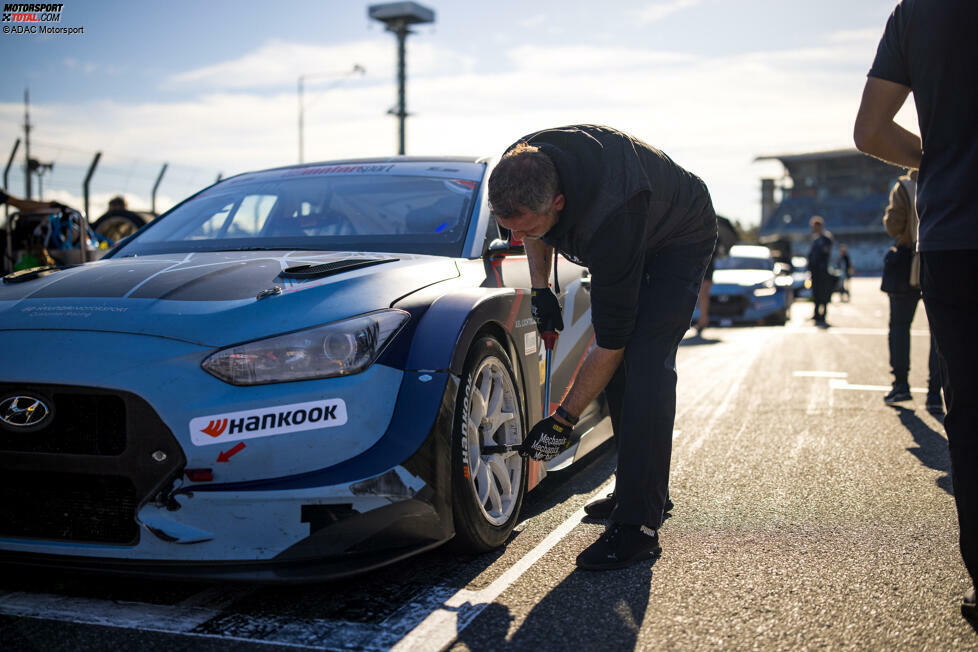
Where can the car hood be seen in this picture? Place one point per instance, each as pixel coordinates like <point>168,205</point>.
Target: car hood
<point>742,277</point>
<point>212,298</point>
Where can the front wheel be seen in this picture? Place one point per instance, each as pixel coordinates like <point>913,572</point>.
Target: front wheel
<point>487,489</point>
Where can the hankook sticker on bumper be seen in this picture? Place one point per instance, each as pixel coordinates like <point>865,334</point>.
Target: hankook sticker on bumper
<point>267,422</point>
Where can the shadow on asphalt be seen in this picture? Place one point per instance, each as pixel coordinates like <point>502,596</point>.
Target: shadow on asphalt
<point>616,605</point>
<point>931,446</point>
<point>698,340</point>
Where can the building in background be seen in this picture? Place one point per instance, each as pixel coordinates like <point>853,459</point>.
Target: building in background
<point>847,188</point>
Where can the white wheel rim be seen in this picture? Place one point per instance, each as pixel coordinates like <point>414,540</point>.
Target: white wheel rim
<point>493,420</point>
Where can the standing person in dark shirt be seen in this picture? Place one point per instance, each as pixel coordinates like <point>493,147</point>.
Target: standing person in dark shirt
<point>818,267</point>
<point>845,267</point>
<point>930,48</point>
<point>645,228</point>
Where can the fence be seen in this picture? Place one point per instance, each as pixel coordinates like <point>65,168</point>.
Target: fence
<point>114,174</point>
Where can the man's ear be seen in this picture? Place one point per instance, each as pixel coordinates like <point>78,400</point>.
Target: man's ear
<point>558,203</point>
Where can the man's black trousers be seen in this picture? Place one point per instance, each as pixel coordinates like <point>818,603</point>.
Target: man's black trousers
<point>642,393</point>
<point>949,280</point>
<point>822,286</point>
<point>902,309</point>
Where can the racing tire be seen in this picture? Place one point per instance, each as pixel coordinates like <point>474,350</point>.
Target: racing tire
<point>487,489</point>
<point>115,226</point>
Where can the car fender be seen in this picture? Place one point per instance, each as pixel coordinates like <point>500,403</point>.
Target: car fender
<point>448,328</point>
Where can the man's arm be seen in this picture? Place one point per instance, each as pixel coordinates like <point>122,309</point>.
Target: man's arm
<point>875,132</point>
<point>595,373</point>
<point>540,257</point>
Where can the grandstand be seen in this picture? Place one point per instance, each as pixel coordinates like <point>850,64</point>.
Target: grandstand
<point>847,188</point>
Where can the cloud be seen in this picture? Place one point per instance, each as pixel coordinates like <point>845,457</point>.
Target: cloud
<point>86,67</point>
<point>278,64</point>
<point>656,11</point>
<point>711,114</point>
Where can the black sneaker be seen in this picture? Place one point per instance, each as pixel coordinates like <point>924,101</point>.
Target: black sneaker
<point>968,608</point>
<point>897,394</point>
<point>934,402</point>
<point>620,546</point>
<point>602,507</point>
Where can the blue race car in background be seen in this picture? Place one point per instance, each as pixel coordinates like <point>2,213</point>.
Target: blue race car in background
<point>801,282</point>
<point>296,373</point>
<point>746,288</point>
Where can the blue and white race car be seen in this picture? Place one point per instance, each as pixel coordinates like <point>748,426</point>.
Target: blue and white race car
<point>747,289</point>
<point>297,373</point>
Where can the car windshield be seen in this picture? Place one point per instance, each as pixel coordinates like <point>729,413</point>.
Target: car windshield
<point>744,262</point>
<point>409,207</point>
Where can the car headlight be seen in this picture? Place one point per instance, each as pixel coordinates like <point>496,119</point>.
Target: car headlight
<point>338,349</point>
<point>765,292</point>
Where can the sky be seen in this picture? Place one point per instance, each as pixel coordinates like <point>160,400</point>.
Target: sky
<point>211,87</point>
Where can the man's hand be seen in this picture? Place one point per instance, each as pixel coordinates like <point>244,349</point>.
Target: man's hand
<point>546,310</point>
<point>546,440</point>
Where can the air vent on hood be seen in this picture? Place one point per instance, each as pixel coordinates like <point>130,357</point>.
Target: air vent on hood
<point>335,267</point>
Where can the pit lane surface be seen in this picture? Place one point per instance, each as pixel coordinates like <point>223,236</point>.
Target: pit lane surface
<point>808,514</point>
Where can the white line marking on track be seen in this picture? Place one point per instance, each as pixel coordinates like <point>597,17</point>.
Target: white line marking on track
<point>442,627</point>
<point>842,384</point>
<point>820,374</point>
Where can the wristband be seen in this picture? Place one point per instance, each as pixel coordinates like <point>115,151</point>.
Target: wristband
<point>566,416</point>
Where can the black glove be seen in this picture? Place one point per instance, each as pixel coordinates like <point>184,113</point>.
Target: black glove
<point>546,310</point>
<point>546,440</point>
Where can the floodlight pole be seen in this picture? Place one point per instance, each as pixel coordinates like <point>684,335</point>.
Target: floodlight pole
<point>398,18</point>
<point>6,209</point>
<point>400,29</point>
<point>27,144</point>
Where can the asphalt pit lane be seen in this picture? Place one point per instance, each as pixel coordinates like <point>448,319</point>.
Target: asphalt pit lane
<point>368,603</point>
<point>82,585</point>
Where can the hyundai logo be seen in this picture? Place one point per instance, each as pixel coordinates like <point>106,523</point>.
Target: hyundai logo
<point>24,412</point>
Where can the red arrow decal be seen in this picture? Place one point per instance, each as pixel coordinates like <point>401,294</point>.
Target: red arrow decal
<point>226,455</point>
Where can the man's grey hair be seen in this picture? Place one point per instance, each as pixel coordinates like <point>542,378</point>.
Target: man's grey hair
<point>524,177</point>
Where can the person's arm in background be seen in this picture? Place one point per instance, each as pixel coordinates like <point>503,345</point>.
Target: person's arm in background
<point>897,212</point>
<point>28,205</point>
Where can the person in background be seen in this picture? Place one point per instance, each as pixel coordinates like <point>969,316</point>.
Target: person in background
<point>930,48</point>
<point>846,271</point>
<point>818,266</point>
<point>900,221</point>
<point>703,300</point>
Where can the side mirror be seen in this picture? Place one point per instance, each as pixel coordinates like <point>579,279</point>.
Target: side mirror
<point>505,247</point>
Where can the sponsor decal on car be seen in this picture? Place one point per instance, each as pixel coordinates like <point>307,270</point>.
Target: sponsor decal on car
<point>267,422</point>
<point>530,343</point>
